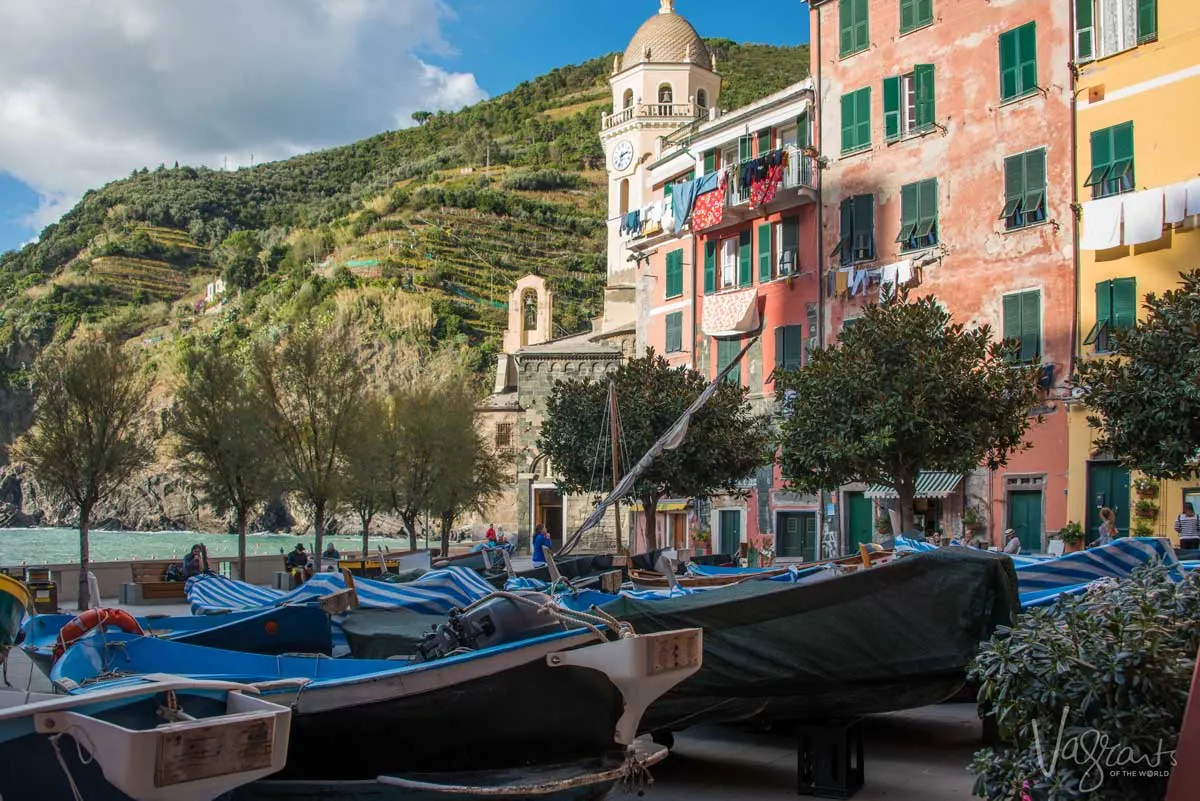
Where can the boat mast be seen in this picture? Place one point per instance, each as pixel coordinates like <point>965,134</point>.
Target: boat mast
<point>615,434</point>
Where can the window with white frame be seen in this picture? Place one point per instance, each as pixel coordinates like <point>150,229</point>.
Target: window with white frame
<point>1104,27</point>
<point>729,261</point>
<point>908,104</point>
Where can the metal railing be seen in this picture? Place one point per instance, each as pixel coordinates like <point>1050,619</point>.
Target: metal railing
<point>800,173</point>
<point>679,111</point>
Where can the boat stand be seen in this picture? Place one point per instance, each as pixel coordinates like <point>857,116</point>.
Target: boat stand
<point>829,758</point>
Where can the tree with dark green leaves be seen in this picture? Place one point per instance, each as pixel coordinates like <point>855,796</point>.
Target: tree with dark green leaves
<point>725,442</point>
<point>222,442</point>
<point>368,463</point>
<point>89,432</point>
<point>1145,398</point>
<point>238,257</point>
<point>905,389</point>
<point>310,388</point>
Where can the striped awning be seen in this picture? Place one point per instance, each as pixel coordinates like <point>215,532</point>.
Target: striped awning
<point>663,506</point>
<point>930,484</point>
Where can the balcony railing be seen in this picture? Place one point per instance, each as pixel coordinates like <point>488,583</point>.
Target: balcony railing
<point>671,111</point>
<point>800,173</point>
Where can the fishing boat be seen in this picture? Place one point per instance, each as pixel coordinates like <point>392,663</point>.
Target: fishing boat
<point>269,630</point>
<point>653,580</point>
<point>481,695</point>
<point>164,739</point>
<point>15,602</point>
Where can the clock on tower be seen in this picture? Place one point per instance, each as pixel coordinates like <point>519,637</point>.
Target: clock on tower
<point>622,155</point>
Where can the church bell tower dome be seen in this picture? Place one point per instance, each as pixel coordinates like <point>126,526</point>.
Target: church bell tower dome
<point>667,38</point>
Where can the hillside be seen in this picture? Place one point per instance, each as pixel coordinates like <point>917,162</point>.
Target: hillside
<point>449,213</point>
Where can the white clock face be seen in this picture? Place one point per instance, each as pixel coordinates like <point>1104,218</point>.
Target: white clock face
<point>622,155</point>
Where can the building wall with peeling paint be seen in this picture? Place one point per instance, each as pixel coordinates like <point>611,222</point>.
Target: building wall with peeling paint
<point>1155,85</point>
<point>976,260</point>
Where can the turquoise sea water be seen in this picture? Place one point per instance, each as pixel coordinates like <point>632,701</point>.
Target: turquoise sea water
<point>58,545</point>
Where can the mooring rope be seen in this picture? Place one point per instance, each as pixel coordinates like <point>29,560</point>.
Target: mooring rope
<point>84,760</point>
<point>590,620</point>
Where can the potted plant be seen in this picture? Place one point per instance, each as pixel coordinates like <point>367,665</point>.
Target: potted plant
<point>883,525</point>
<point>701,541</point>
<point>1072,536</point>
<point>1146,509</point>
<point>1146,487</point>
<point>1143,529</point>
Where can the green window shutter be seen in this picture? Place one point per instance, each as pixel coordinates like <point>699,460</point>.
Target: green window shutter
<point>1035,181</point>
<point>926,105</point>
<point>1124,302</point>
<point>764,253</point>
<point>668,190</point>
<point>764,142</point>
<point>674,273</point>
<point>1147,20</point>
<point>891,108</point>
<point>1027,49</point>
<point>1009,73</point>
<point>862,27</point>
<point>1102,156</point>
<point>802,131</point>
<point>1085,31</point>
<point>1104,302</point>
<point>792,344</point>
<point>908,15</point>
<point>862,117</point>
<point>1122,149</point>
<point>849,108</point>
<point>863,243</point>
<point>928,204</point>
<point>1031,326</point>
<point>789,241</point>
<point>924,12</point>
<point>744,148</point>
<point>845,27</point>
<point>674,342</point>
<point>1012,317</point>
<point>727,350</point>
<point>745,259</point>
<point>710,267</point>
<point>1014,186</point>
<point>846,233</point>
<point>909,216</point>
<point>779,355</point>
<point>710,161</point>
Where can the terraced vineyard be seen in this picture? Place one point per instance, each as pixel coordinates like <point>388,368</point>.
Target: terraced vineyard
<point>140,280</point>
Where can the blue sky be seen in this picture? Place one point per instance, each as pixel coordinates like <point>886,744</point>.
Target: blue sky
<point>150,81</point>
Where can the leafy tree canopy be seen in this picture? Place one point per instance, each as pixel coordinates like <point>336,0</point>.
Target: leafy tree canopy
<point>725,441</point>
<point>1146,400</point>
<point>905,389</point>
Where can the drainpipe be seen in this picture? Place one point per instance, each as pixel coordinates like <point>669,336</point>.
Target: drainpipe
<point>819,143</point>
<point>1072,69</point>
<point>695,299</point>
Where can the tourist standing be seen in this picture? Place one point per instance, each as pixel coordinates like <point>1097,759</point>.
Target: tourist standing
<point>1108,526</point>
<point>1187,526</point>
<point>541,544</point>
<point>491,533</point>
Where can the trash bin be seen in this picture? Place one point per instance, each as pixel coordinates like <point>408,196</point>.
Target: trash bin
<point>45,596</point>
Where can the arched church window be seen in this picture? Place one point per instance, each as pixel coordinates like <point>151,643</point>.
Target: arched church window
<point>701,98</point>
<point>529,307</point>
<point>627,100</point>
<point>666,94</point>
<point>624,197</point>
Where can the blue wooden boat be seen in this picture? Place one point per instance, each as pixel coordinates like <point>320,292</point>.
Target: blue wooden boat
<point>166,739</point>
<point>554,698</point>
<point>270,630</point>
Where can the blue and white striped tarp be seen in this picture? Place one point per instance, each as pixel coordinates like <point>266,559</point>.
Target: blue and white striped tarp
<point>904,544</point>
<point>436,592</point>
<point>1042,582</point>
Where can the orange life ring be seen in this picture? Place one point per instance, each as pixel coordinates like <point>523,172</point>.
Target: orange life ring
<point>94,618</point>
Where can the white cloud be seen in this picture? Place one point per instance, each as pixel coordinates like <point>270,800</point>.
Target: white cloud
<point>92,89</point>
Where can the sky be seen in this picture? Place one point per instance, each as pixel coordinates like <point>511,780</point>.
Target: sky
<point>93,89</point>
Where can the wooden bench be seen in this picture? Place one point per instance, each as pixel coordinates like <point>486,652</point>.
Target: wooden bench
<point>148,585</point>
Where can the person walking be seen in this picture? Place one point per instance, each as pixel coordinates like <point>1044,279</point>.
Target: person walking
<point>1108,526</point>
<point>1187,526</point>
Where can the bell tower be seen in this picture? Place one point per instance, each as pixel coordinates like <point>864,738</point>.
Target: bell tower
<point>665,79</point>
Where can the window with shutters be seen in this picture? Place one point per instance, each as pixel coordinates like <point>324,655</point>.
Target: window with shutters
<point>814,340</point>
<point>765,142</point>
<point>1024,189</point>
<point>1112,161</point>
<point>908,103</point>
<point>918,215</point>
<point>674,342</point>
<point>710,162</point>
<point>856,121</point>
<point>1105,27</point>
<point>710,267</point>
<point>1116,309</point>
<point>1023,323</point>
<point>915,14</point>
<point>857,240</point>
<point>727,351</point>
<point>674,281</point>
<point>766,264</point>
<point>787,235</point>
<point>789,344</point>
<point>745,258</point>
<point>854,29</point>
<point>729,256</point>
<point>803,131</point>
<point>1018,62</point>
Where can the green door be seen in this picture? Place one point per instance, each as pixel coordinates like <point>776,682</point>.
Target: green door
<point>730,524</point>
<point>1025,518</point>
<point>858,507</point>
<point>1108,485</point>
<point>798,535</point>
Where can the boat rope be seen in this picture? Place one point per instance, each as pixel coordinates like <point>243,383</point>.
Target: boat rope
<point>84,759</point>
<point>592,620</point>
<point>635,776</point>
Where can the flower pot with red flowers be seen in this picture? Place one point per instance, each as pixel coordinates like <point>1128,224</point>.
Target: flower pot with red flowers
<point>1146,509</point>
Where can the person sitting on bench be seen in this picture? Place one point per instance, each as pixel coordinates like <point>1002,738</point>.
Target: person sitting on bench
<point>298,565</point>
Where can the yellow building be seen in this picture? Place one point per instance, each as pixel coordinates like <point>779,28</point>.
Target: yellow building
<point>1137,124</point>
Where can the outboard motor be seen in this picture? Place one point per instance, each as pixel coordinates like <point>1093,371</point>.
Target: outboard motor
<point>500,620</point>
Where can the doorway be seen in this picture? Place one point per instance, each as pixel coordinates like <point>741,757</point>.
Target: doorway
<point>548,510</point>
<point>729,531</point>
<point>1025,518</point>
<point>798,535</point>
<point>677,529</point>
<point>858,512</point>
<point>1108,485</point>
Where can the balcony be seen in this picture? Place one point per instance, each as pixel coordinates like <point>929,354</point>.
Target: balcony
<point>799,185</point>
<point>677,112</point>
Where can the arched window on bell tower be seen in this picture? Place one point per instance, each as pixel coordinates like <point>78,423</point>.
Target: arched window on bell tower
<point>702,98</point>
<point>529,314</point>
<point>624,196</point>
<point>627,100</point>
<point>666,96</point>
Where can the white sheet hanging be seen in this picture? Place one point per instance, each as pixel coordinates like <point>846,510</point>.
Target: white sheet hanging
<point>1143,216</point>
<point>1193,196</point>
<point>1101,223</point>
<point>1175,202</point>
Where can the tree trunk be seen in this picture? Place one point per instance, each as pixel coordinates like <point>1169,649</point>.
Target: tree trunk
<point>319,527</point>
<point>410,523</point>
<point>447,524</point>
<point>241,532</point>
<point>906,489</point>
<point>85,556</point>
<point>650,510</point>
<point>366,532</point>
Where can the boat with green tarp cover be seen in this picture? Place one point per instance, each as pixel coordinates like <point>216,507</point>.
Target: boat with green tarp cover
<point>835,644</point>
